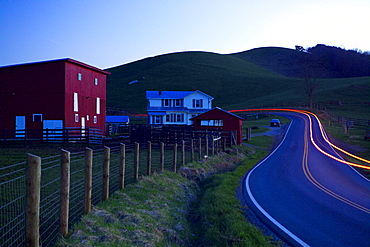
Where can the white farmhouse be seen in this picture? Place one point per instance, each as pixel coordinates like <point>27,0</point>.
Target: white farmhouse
<point>176,107</point>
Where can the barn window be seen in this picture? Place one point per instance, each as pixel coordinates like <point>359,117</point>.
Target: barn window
<point>96,82</point>
<point>76,118</point>
<point>95,119</point>
<point>75,102</point>
<point>211,122</point>
<point>98,105</point>
<point>79,76</point>
<point>37,117</point>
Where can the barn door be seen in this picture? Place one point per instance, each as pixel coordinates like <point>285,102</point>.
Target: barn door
<point>20,125</point>
<point>51,129</point>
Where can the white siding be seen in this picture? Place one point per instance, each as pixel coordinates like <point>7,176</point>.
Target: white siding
<point>155,102</point>
<point>188,101</point>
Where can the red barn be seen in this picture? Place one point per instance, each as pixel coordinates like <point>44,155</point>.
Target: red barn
<point>219,119</point>
<point>53,94</point>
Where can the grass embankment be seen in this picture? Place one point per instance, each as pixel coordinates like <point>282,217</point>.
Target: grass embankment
<point>353,142</point>
<point>195,207</point>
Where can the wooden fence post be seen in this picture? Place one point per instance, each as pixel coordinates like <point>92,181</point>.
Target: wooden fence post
<point>136,161</point>
<point>192,149</point>
<point>64,192</point>
<point>162,157</point>
<point>207,147</point>
<point>200,148</point>
<point>122,165</point>
<point>88,179</point>
<point>106,174</point>
<point>213,145</point>
<point>33,201</point>
<point>175,157</point>
<point>183,153</point>
<point>149,164</point>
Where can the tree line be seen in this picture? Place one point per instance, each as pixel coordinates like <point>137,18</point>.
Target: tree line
<point>337,62</point>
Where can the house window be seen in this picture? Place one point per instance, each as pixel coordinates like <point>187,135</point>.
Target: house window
<point>180,118</point>
<point>37,117</point>
<point>96,82</point>
<point>79,76</point>
<point>156,119</point>
<point>75,102</point>
<point>175,118</point>
<point>178,102</point>
<point>197,103</point>
<point>166,102</point>
<point>76,118</point>
<point>98,105</point>
<point>95,119</point>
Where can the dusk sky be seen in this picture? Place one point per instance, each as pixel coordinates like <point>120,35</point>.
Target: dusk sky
<point>114,32</point>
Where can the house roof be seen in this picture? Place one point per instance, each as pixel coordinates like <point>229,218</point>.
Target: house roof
<point>117,119</point>
<point>172,94</point>
<point>217,108</point>
<point>69,60</point>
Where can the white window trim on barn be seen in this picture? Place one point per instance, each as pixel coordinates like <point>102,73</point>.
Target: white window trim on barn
<point>212,122</point>
<point>97,105</point>
<point>75,102</point>
<point>37,117</point>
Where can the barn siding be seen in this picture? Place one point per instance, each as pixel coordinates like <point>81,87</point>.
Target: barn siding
<point>47,88</point>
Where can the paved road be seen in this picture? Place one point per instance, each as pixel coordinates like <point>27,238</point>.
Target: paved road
<point>306,197</point>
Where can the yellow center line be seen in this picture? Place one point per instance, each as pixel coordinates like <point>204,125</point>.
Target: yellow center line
<point>309,175</point>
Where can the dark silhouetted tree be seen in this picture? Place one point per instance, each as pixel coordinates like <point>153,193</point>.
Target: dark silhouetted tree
<point>309,76</point>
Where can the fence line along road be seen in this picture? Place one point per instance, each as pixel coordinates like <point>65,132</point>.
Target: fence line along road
<point>40,199</point>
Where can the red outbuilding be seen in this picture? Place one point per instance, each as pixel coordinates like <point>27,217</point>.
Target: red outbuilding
<point>219,119</point>
<point>55,94</point>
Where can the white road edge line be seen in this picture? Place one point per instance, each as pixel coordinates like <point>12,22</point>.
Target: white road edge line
<point>284,229</point>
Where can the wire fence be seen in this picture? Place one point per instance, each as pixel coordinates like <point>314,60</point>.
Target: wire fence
<point>15,192</point>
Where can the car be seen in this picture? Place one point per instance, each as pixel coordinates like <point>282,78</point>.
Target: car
<point>275,122</point>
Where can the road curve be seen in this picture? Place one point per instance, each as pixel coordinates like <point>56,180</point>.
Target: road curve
<point>307,197</point>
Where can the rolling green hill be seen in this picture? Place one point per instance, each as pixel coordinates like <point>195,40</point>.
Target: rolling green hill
<point>284,61</point>
<point>242,80</point>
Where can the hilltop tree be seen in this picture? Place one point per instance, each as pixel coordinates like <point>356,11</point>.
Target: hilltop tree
<point>299,48</point>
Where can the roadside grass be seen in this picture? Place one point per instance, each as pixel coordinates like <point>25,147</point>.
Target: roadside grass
<point>261,141</point>
<point>171,210</point>
<point>221,219</point>
<point>356,142</point>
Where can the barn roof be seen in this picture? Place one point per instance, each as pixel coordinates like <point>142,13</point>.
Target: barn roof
<point>214,109</point>
<point>117,119</point>
<point>69,60</point>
